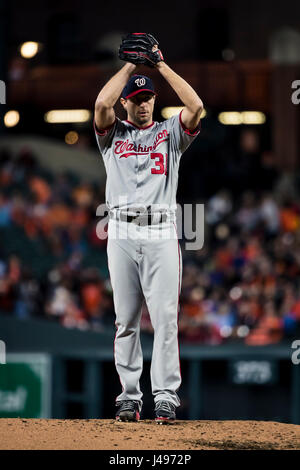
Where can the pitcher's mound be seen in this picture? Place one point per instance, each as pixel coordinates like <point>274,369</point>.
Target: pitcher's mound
<point>103,434</point>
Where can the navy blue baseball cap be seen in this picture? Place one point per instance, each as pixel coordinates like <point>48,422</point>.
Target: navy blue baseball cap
<point>137,84</point>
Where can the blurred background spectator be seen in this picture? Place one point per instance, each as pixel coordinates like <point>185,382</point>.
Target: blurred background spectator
<point>243,285</point>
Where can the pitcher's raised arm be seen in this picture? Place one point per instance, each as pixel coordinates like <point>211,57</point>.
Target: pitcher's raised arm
<point>104,106</point>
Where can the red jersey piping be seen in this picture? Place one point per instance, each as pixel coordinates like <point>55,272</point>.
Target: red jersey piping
<point>105,131</point>
<point>142,128</point>
<point>189,131</point>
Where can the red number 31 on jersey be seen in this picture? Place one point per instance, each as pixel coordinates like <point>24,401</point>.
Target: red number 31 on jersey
<point>160,163</point>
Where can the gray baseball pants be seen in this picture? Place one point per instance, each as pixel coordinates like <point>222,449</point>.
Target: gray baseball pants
<point>145,262</point>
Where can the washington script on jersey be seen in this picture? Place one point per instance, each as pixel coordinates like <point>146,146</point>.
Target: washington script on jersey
<point>125,146</point>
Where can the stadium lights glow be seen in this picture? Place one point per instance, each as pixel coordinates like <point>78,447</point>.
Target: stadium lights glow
<point>71,138</point>
<point>11,118</point>
<point>170,111</point>
<point>234,118</point>
<point>29,49</point>
<point>253,117</point>
<point>59,116</point>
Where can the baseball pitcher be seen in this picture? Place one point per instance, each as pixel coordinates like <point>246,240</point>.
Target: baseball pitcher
<point>142,158</point>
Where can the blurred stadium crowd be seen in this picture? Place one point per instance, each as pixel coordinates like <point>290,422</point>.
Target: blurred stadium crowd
<point>243,285</point>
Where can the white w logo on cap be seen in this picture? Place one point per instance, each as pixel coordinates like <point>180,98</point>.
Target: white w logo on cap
<point>140,81</point>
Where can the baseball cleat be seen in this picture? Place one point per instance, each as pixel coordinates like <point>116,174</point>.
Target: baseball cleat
<point>129,410</point>
<point>165,412</point>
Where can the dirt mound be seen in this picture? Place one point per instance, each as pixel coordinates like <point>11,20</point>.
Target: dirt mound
<point>146,435</point>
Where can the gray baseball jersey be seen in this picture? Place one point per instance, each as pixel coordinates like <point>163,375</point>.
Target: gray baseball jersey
<point>142,171</point>
<point>142,164</point>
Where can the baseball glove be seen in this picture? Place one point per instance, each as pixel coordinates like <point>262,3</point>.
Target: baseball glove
<point>140,48</point>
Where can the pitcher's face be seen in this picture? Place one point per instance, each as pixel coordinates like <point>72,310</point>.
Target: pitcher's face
<point>140,108</point>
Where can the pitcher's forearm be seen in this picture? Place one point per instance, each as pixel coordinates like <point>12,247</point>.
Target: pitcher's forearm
<point>185,92</point>
<point>111,91</point>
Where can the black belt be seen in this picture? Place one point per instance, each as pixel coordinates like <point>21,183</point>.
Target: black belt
<point>142,219</point>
